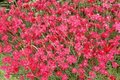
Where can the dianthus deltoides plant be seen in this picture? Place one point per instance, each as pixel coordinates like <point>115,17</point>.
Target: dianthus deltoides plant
<point>60,40</point>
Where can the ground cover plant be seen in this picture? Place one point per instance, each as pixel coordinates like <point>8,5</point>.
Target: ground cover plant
<point>60,40</point>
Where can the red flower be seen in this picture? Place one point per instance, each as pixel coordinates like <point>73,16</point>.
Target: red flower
<point>91,1</point>
<point>112,77</point>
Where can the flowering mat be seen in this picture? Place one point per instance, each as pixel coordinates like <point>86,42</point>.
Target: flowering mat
<point>60,40</point>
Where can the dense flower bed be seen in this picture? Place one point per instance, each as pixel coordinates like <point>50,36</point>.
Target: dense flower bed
<point>72,39</point>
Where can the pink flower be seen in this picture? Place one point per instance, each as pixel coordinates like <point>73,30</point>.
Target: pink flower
<point>30,75</point>
<point>64,66</point>
<point>71,59</point>
<point>117,26</point>
<point>92,74</point>
<point>7,60</point>
<point>64,77</point>
<point>10,0</point>
<point>74,70</point>
<point>106,5</point>
<point>21,77</point>
<point>115,65</point>
<point>63,28</point>
<point>7,48</point>
<point>59,73</point>
<point>7,76</point>
<point>46,38</point>
<point>5,38</point>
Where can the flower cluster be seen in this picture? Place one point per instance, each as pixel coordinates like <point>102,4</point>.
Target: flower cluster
<point>42,39</point>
